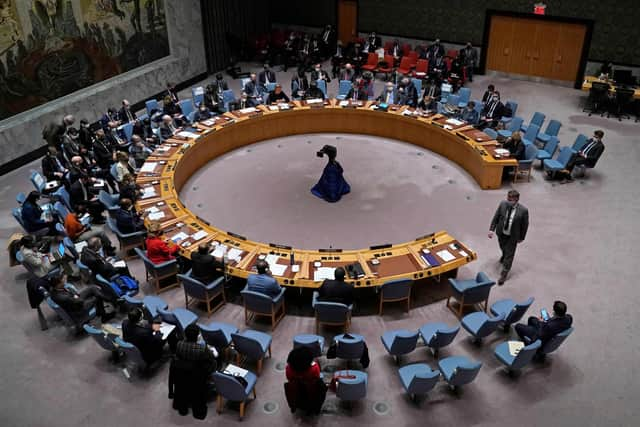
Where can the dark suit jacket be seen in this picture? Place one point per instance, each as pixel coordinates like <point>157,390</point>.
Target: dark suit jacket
<point>124,118</point>
<point>315,75</point>
<point>298,84</point>
<point>76,194</point>
<point>165,132</point>
<point>149,343</point>
<point>205,267</point>
<point>520,220</point>
<point>497,111</point>
<point>594,153</point>
<point>97,263</point>
<point>262,77</point>
<point>49,166</point>
<point>411,93</point>
<point>437,91</point>
<point>336,291</point>
<point>362,94</point>
<point>73,306</point>
<point>515,148</point>
<point>553,327</point>
<point>128,221</point>
<point>273,97</point>
<point>103,153</point>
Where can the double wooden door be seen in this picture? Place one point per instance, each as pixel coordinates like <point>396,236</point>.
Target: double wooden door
<point>546,49</point>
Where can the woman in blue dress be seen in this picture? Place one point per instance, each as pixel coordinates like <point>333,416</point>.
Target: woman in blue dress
<point>332,185</point>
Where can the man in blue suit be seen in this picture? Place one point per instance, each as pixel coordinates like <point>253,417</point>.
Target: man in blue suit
<point>263,282</point>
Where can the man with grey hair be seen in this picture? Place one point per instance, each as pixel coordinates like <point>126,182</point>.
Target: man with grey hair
<point>510,223</point>
<point>167,128</point>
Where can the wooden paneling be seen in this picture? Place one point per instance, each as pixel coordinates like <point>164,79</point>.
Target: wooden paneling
<point>347,20</point>
<point>535,47</point>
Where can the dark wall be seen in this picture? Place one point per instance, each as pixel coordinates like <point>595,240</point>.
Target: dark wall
<point>310,13</point>
<point>229,22</point>
<point>615,35</point>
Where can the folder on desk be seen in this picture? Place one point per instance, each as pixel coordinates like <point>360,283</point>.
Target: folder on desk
<point>430,259</point>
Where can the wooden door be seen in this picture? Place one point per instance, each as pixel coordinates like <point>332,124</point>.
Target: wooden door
<point>347,20</point>
<point>499,50</point>
<point>544,49</point>
<point>568,51</point>
<point>523,46</point>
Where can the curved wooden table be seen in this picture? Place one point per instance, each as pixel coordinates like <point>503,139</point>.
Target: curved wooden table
<point>170,166</point>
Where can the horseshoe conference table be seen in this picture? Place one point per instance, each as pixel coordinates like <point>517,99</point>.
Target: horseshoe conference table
<point>171,164</point>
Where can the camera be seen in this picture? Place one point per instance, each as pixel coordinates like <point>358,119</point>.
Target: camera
<point>329,150</point>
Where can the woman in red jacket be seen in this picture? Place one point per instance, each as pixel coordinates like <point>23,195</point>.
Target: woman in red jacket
<point>305,389</point>
<point>159,251</point>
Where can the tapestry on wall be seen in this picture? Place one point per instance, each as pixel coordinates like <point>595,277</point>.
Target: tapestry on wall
<point>51,48</point>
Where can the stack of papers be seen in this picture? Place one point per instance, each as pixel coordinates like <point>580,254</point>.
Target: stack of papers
<point>166,329</point>
<point>502,151</point>
<point>187,134</point>
<point>283,106</point>
<point>248,110</point>
<point>148,192</point>
<point>323,273</point>
<point>154,216</point>
<point>180,236</point>
<point>234,254</point>
<point>148,167</point>
<point>209,122</point>
<point>446,255</point>
<point>273,107</point>
<point>455,122</point>
<point>80,246</point>
<point>200,235</point>
<point>515,347</point>
<point>119,264</point>
<point>277,269</point>
<point>219,251</point>
<point>152,209</point>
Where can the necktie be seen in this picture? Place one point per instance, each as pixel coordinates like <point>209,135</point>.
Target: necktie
<point>58,165</point>
<point>355,95</point>
<point>84,191</point>
<point>505,229</point>
<point>432,89</point>
<point>388,97</point>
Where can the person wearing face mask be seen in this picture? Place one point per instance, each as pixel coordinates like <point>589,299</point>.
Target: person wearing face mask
<point>241,103</point>
<point>357,93</point>
<point>373,42</point>
<point>254,90</point>
<point>266,76</point>
<point>299,85</point>
<point>491,113</point>
<point>388,95</point>
<point>469,59</point>
<point>319,74</point>
<point>510,222</point>
<point>202,113</point>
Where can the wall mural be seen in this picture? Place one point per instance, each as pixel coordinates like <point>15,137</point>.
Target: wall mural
<point>51,48</point>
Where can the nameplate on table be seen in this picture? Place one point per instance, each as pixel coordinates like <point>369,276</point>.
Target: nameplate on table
<point>236,371</point>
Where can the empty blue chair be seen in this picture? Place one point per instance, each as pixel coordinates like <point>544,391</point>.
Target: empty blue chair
<point>132,357</point>
<point>479,325</point>
<point>231,389</point>
<point>179,317</point>
<point>270,87</point>
<point>492,133</point>
<point>197,93</point>
<point>150,305</point>
<point>418,379</point>
<point>151,105</point>
<point>109,201</point>
<point>227,98</point>
<point>186,106</point>
<point>349,346</point>
<point>198,291</point>
<point>63,196</point>
<point>453,100</point>
<point>315,343</point>
<point>252,345</point>
<point>529,136</point>
<point>394,291</point>
<point>513,125</point>
<point>103,340</point>
<point>549,150</point>
<point>553,344</point>
<point>521,359</point>
<point>537,119</point>
<point>464,94</point>
<point>470,292</point>
<point>127,241</point>
<point>437,335</point>
<point>580,142</point>
<point>61,210</point>
<point>511,310</point>
<point>21,197</point>
<point>553,127</point>
<point>514,108</point>
<point>459,370</point>
<point>39,182</point>
<point>127,130</point>
<point>399,342</point>
<point>218,335</point>
<point>322,85</point>
<point>418,84</point>
<point>526,164</point>
<point>259,304</point>
<point>159,272</point>
<point>479,106</point>
<point>351,385</point>
<point>553,166</point>
<point>331,313</point>
<point>343,89</point>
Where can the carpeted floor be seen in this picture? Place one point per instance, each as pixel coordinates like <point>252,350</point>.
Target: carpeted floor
<point>580,248</point>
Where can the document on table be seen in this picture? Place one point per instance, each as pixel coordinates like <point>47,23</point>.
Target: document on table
<point>152,209</point>
<point>80,246</point>
<point>219,251</point>
<point>315,101</point>
<point>272,259</point>
<point>283,106</point>
<point>163,149</point>
<point>209,122</point>
<point>188,134</point>
<point>322,273</point>
<point>343,103</point>
<point>148,192</point>
<point>154,216</point>
<point>180,236</point>
<point>515,347</point>
<point>277,269</point>
<point>248,110</point>
<point>234,254</point>
<point>235,370</point>
<point>166,329</point>
<point>148,167</point>
<point>273,107</point>
<point>502,151</point>
<point>454,122</point>
<point>446,255</point>
<point>200,235</point>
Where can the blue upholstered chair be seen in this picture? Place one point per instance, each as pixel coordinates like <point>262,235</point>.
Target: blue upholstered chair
<point>149,305</point>
<point>322,85</point>
<point>399,342</point>
<point>151,105</point>
<point>553,127</point>
<point>231,389</point>
<point>61,210</point>
<point>511,310</point>
<point>198,291</point>
<point>250,344</point>
<point>127,241</point>
<point>490,132</point>
<point>127,130</point>
<point>418,84</point>
<point>521,359</point>
<point>343,89</point>
<point>62,195</point>
<point>464,94</point>
<point>513,125</point>
<point>331,313</point>
<point>553,166</point>
<point>351,389</point>
<point>470,292</point>
<point>349,347</point>
<point>38,180</point>
<point>20,198</point>
<point>314,342</point>
<point>579,143</point>
<point>158,272</point>
<point>259,304</point>
<point>186,106</point>
<point>17,214</point>
<point>418,379</point>
<point>525,165</point>
<point>218,335</point>
<point>530,135</point>
<point>514,108</point>
<point>437,335</point>
<point>395,290</point>
<point>109,201</point>
<point>104,340</point>
<point>132,357</point>
<point>227,98</point>
<point>270,87</point>
<point>479,325</point>
<point>68,321</point>
<point>553,344</point>
<point>537,119</point>
<point>549,150</point>
<point>179,317</point>
<point>197,94</point>
<point>459,370</point>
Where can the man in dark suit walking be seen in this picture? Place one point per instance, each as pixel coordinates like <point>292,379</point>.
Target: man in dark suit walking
<point>336,290</point>
<point>510,223</point>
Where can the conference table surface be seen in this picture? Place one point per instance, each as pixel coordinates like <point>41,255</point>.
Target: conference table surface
<point>169,167</point>
<point>586,86</point>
